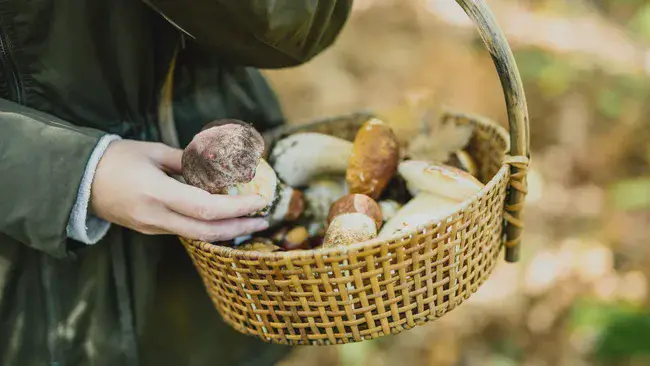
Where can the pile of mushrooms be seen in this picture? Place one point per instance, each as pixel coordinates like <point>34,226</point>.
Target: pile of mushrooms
<point>323,191</point>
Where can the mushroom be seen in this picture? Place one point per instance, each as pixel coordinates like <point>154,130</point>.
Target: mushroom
<point>437,190</point>
<point>353,218</point>
<point>222,155</point>
<point>301,157</point>
<point>440,141</point>
<point>420,210</point>
<point>296,238</point>
<point>439,179</point>
<point>225,158</point>
<point>374,159</point>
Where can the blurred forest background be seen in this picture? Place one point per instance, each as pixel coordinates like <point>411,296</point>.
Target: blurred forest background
<point>580,296</point>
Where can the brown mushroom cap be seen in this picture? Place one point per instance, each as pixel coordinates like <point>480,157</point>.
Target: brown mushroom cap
<point>356,203</point>
<point>222,155</point>
<point>374,159</point>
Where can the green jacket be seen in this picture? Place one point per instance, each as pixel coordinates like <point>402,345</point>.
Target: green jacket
<point>74,71</point>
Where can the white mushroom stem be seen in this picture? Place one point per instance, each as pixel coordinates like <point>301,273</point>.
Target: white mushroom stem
<point>264,183</point>
<point>438,190</point>
<point>320,195</point>
<point>282,205</point>
<point>420,210</point>
<point>299,158</point>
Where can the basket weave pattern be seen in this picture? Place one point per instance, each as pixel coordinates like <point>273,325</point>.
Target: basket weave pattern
<point>371,289</point>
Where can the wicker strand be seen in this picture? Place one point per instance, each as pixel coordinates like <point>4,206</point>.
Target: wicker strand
<point>512,213</point>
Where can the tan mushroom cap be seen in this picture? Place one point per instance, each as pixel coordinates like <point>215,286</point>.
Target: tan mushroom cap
<point>439,179</point>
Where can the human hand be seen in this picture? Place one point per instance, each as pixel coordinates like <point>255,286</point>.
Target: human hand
<point>131,189</point>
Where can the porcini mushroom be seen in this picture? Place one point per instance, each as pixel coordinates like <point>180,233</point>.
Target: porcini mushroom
<point>222,155</point>
<point>301,157</point>
<point>374,159</point>
<point>437,190</point>
<point>296,238</point>
<point>439,179</point>
<point>226,159</point>
<point>353,218</point>
<point>420,210</point>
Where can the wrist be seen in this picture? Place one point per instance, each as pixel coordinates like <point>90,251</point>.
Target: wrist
<point>83,225</point>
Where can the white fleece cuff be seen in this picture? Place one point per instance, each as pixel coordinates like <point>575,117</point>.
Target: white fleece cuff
<point>82,226</point>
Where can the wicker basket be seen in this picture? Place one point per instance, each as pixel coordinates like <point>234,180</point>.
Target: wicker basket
<point>375,288</point>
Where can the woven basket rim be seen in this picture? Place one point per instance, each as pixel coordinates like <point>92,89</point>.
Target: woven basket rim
<point>231,252</point>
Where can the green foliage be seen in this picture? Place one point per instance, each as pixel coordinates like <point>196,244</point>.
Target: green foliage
<point>640,22</point>
<point>631,194</point>
<point>610,103</point>
<point>507,352</point>
<point>553,75</point>
<point>623,329</point>
<point>592,315</point>
<point>626,337</point>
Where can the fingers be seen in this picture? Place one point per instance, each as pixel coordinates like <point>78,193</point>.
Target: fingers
<point>199,204</point>
<point>212,231</point>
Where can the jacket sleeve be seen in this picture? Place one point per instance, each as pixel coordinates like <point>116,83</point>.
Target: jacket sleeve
<point>259,33</point>
<point>42,161</point>
<point>83,226</point>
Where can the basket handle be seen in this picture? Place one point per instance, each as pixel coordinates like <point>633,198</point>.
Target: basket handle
<point>513,90</point>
